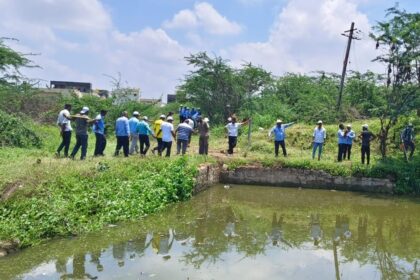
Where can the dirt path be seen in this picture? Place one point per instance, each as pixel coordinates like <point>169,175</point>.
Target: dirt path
<point>9,190</point>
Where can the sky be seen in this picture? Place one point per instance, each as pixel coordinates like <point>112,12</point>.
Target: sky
<point>147,40</point>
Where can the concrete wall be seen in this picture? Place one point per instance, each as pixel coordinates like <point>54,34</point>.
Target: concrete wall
<point>290,177</point>
<point>208,175</point>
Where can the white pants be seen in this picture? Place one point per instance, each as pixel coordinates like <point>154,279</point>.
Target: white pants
<point>134,146</point>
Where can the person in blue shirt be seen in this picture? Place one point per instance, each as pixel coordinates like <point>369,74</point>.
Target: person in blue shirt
<point>349,142</point>
<point>186,113</point>
<point>122,132</point>
<point>143,130</point>
<point>99,130</point>
<point>181,113</point>
<point>134,137</point>
<point>342,141</point>
<point>279,131</point>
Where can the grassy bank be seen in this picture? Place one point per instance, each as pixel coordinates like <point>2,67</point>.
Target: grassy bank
<point>83,200</point>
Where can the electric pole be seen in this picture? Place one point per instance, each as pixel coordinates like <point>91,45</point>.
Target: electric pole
<point>346,60</point>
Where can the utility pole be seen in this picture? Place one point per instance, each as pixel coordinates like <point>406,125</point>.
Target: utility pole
<point>346,60</point>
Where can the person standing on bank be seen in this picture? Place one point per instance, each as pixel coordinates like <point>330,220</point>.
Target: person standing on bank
<point>203,132</point>
<point>122,132</point>
<point>279,131</point>
<point>99,130</point>
<point>407,138</point>
<point>167,129</point>
<point>134,136</point>
<point>232,129</point>
<point>158,133</point>
<point>342,141</point>
<point>319,136</point>
<point>143,130</point>
<point>366,136</point>
<point>82,123</point>
<point>349,142</point>
<point>183,131</point>
<point>63,121</point>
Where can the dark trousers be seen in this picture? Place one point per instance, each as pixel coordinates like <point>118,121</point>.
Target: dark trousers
<point>144,143</point>
<point>100,144</point>
<point>365,153</point>
<point>283,147</point>
<point>181,145</point>
<point>347,151</point>
<point>232,144</point>
<point>203,145</point>
<point>81,141</point>
<point>65,143</point>
<point>122,141</point>
<point>341,149</point>
<point>409,145</point>
<point>159,146</point>
<point>167,146</point>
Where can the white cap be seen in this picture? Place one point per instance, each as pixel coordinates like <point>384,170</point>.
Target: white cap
<point>145,118</point>
<point>170,118</point>
<point>229,119</point>
<point>206,120</point>
<point>162,116</point>
<point>365,125</point>
<point>84,110</point>
<point>319,122</point>
<point>135,113</point>
<point>349,125</point>
<point>279,121</point>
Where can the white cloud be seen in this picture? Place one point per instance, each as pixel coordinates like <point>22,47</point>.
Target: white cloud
<point>306,37</point>
<point>206,16</point>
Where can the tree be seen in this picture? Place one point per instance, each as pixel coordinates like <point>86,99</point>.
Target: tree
<point>10,63</point>
<point>213,86</point>
<point>400,40</point>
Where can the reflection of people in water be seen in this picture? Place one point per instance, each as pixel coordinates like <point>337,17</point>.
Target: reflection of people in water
<point>96,259</point>
<point>79,270</point>
<point>118,252</point>
<point>316,231</point>
<point>342,228</point>
<point>362,230</point>
<point>61,265</point>
<point>162,243</point>
<point>140,244</point>
<point>229,230</point>
<point>277,231</point>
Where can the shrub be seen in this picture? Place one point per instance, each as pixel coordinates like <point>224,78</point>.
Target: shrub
<point>16,132</point>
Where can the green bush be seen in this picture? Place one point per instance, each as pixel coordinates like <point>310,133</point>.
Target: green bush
<point>15,132</point>
<point>78,203</point>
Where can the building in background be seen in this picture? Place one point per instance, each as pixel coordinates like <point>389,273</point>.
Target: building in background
<point>171,98</point>
<point>79,86</point>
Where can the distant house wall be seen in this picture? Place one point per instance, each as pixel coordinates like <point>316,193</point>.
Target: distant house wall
<point>82,87</point>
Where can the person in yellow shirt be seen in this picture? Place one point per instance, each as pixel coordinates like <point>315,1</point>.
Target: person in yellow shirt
<point>158,133</point>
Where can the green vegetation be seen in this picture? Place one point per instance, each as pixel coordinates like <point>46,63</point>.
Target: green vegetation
<point>84,201</point>
<point>16,133</point>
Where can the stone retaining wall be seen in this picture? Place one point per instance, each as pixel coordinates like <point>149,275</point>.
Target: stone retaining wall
<point>316,179</point>
<point>288,177</point>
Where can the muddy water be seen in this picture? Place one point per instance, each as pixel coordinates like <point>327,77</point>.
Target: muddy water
<point>243,233</point>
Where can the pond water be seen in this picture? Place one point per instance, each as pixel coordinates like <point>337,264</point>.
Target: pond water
<point>245,232</point>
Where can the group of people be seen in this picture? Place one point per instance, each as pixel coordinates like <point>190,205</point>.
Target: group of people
<point>133,134</point>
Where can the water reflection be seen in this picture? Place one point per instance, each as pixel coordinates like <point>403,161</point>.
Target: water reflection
<point>367,237</point>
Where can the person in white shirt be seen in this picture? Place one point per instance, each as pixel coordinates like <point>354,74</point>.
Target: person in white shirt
<point>232,129</point>
<point>63,121</point>
<point>167,129</point>
<point>319,136</point>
